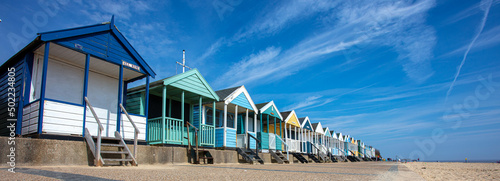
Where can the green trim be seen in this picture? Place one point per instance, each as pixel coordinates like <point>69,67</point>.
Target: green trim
<point>195,71</point>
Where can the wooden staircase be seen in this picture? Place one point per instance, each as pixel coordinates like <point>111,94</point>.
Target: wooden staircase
<point>313,157</point>
<point>324,158</point>
<point>204,155</point>
<point>113,150</point>
<point>279,157</point>
<point>300,158</point>
<point>332,157</point>
<point>107,150</point>
<point>249,156</point>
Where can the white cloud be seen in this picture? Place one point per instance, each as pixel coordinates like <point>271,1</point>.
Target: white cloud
<point>485,6</point>
<point>354,26</point>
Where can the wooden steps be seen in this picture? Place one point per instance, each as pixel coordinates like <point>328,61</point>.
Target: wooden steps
<point>313,157</point>
<point>279,157</point>
<point>204,155</point>
<point>300,158</point>
<point>250,156</point>
<point>112,150</point>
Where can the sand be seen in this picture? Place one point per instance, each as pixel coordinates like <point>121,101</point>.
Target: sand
<point>455,171</point>
<point>240,172</point>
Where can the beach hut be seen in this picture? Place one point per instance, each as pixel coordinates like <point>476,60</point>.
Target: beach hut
<point>59,70</point>
<point>292,128</point>
<point>317,136</point>
<point>327,137</point>
<point>341,150</point>
<point>235,116</point>
<point>334,143</point>
<point>172,106</point>
<point>306,130</point>
<point>353,147</point>
<point>272,121</point>
<point>346,145</point>
<point>360,148</point>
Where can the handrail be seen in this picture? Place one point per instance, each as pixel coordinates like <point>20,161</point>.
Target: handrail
<point>257,142</point>
<point>97,155</point>
<point>315,147</point>
<point>136,132</point>
<point>196,140</point>
<point>287,147</point>
<point>129,118</point>
<point>93,113</point>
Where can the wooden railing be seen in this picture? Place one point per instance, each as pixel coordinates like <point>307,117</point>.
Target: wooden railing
<point>207,133</point>
<point>169,131</point>
<point>97,156</point>
<point>154,130</point>
<point>257,142</point>
<point>286,147</point>
<point>136,130</point>
<point>196,141</point>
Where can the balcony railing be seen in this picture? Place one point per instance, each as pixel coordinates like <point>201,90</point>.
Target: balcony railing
<point>207,133</point>
<point>169,131</point>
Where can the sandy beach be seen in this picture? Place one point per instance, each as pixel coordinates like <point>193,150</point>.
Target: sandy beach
<point>456,171</point>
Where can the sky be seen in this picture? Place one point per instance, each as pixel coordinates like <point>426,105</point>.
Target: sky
<point>414,79</point>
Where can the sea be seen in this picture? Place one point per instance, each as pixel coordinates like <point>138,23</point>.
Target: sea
<point>463,161</point>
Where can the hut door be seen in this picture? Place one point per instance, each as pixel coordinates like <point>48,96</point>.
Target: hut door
<point>241,125</point>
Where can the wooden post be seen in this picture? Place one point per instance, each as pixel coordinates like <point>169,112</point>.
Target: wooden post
<point>267,123</point>
<point>275,125</point>
<point>200,127</point>
<point>213,119</point>
<point>225,124</point>
<point>236,123</point>
<point>164,106</point>
<point>246,128</point>
<point>182,117</point>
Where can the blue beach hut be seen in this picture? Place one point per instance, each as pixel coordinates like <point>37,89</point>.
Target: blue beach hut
<point>235,116</point>
<point>306,129</point>
<point>58,70</point>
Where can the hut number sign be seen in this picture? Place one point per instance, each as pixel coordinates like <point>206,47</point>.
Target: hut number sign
<point>135,67</point>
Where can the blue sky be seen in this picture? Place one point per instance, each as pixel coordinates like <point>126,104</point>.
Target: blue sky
<point>415,79</point>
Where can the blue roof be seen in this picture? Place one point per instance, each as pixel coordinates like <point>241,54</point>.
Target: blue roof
<point>104,41</point>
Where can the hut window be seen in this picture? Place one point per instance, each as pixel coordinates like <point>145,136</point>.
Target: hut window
<point>251,124</point>
<point>230,120</point>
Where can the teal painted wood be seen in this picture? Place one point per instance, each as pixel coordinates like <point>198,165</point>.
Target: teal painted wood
<point>206,135</point>
<point>242,101</point>
<point>154,135</point>
<point>193,82</point>
<point>196,117</point>
<point>278,143</point>
<point>192,138</point>
<point>252,141</point>
<point>134,103</point>
<point>271,111</point>
<point>231,137</point>
<point>219,137</point>
<point>173,131</point>
<point>264,140</point>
